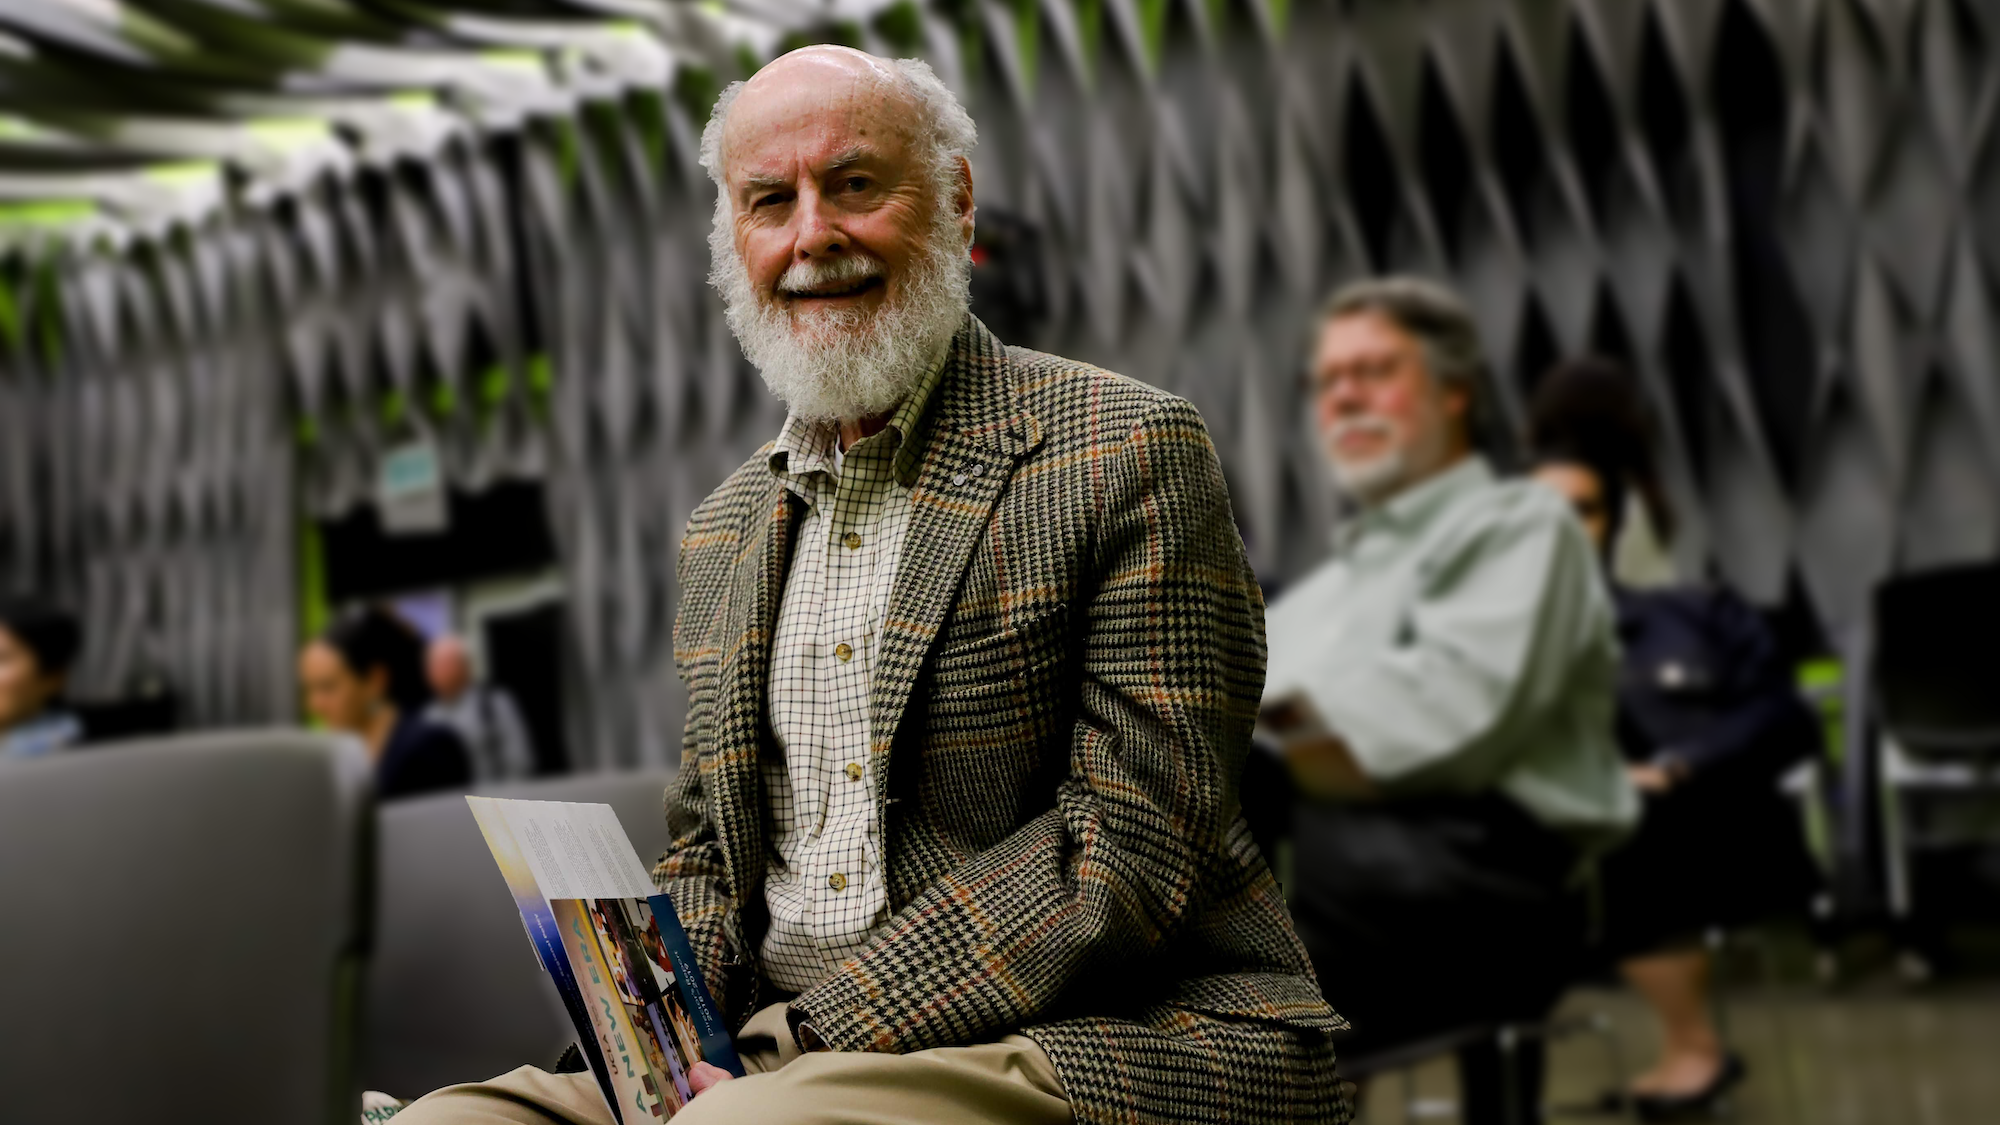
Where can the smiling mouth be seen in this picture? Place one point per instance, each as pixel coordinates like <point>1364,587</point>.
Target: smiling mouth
<point>835,292</point>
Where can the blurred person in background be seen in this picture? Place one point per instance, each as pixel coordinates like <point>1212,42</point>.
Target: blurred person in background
<point>38,643</point>
<point>365,676</point>
<point>1708,720</point>
<point>485,715</point>
<point>1441,693</point>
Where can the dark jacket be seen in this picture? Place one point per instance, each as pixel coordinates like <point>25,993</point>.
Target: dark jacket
<point>1701,682</point>
<point>422,757</point>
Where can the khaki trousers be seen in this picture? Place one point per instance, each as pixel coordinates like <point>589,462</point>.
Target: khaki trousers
<point>1010,1082</point>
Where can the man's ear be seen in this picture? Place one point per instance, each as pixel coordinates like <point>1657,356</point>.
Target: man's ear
<point>965,204</point>
<point>1458,402</point>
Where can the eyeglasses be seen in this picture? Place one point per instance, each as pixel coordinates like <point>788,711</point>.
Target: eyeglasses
<point>1369,372</point>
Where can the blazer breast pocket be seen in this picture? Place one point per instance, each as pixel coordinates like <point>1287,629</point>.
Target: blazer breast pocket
<point>1010,661</point>
<point>993,709</point>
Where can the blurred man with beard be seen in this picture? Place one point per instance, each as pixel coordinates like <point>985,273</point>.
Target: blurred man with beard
<point>972,655</point>
<point>1440,692</point>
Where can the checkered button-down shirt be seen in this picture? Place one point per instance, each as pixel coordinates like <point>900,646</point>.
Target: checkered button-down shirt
<point>825,887</point>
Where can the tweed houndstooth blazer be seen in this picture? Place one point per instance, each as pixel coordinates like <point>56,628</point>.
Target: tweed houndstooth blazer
<point>1063,696</point>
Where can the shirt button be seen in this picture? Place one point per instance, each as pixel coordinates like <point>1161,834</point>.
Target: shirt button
<point>837,881</point>
<point>854,771</point>
<point>844,651</point>
<point>852,540</point>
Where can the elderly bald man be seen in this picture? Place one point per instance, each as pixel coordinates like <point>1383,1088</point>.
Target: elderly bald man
<point>972,656</point>
<point>485,716</point>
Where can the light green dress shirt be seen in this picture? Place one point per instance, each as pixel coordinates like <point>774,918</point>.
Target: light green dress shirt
<point>1460,640</point>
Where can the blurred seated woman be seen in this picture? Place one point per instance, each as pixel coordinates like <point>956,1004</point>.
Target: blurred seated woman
<point>365,676</point>
<point>1708,721</point>
<point>38,643</point>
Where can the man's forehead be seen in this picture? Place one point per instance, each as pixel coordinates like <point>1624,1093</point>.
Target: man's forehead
<point>820,117</point>
<point>1363,330</point>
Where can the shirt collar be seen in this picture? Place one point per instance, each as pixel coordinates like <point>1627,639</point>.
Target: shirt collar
<point>804,447</point>
<point>1416,506</point>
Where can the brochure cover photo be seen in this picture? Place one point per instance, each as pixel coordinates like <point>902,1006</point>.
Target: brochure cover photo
<point>614,947</point>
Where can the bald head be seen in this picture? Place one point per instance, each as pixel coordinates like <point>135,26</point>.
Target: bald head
<point>820,89</point>
<point>843,218</point>
<point>448,667</point>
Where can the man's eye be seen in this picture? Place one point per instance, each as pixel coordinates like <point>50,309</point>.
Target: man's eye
<point>854,183</point>
<point>773,198</point>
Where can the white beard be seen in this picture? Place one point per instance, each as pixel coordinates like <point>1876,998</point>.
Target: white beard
<point>1372,480</point>
<point>851,363</point>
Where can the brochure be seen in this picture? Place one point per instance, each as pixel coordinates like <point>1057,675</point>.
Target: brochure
<point>615,948</point>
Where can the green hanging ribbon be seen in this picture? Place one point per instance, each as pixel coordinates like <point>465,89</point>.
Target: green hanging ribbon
<point>1028,38</point>
<point>1090,35</point>
<point>697,89</point>
<point>48,318</point>
<point>1281,15</point>
<point>1153,31</point>
<point>903,27</point>
<point>10,316</point>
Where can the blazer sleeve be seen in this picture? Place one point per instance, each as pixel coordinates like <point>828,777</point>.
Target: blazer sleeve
<point>693,870</point>
<point>1172,659</point>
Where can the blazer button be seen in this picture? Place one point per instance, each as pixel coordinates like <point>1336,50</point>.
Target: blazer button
<point>837,881</point>
<point>844,651</point>
<point>958,478</point>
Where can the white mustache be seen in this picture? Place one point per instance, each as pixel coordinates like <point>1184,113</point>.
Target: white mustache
<point>1373,426</point>
<point>819,274</point>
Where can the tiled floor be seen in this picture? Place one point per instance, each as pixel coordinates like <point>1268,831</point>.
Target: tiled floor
<point>1874,1055</point>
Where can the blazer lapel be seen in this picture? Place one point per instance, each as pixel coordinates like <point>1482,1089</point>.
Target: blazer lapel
<point>975,433</point>
<point>742,726</point>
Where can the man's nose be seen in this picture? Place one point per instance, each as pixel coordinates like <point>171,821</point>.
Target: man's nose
<point>819,232</point>
<point>1341,398</point>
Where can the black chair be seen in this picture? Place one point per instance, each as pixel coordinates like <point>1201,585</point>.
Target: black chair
<point>153,712</point>
<point>1508,1036</point>
<point>1936,688</point>
<point>1937,664</point>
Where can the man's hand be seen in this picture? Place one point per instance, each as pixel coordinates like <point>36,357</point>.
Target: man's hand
<point>704,1075</point>
<point>1320,762</point>
<point>1323,768</point>
<point>1650,778</point>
